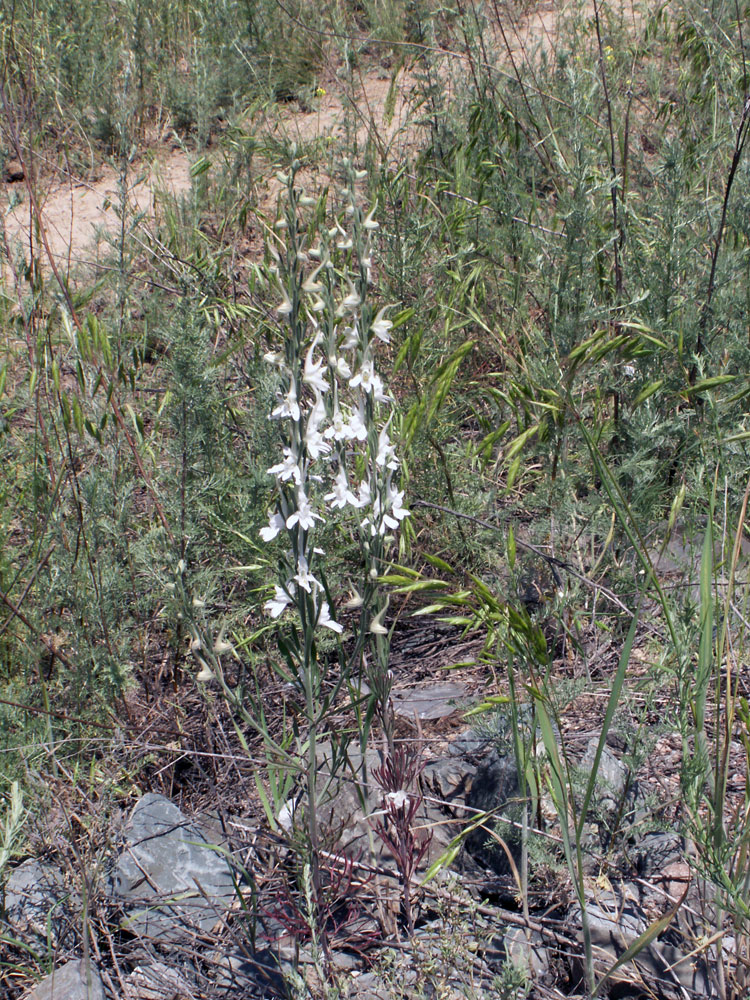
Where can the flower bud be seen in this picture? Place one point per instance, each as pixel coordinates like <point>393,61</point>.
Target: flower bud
<point>206,673</point>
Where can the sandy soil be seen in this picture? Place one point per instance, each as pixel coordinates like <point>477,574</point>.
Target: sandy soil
<point>78,216</point>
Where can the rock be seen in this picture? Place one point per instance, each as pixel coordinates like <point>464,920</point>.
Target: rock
<point>526,951</point>
<point>157,981</point>
<point>616,921</point>
<point>430,701</point>
<point>654,852</point>
<point>471,745</point>
<point>372,986</point>
<point>611,779</point>
<point>242,974</point>
<point>168,877</point>
<point>13,172</point>
<point>36,903</point>
<point>73,981</point>
<point>495,789</point>
<point>343,813</point>
<point>450,779</point>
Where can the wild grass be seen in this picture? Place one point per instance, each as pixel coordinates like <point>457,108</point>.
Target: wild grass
<point>565,244</point>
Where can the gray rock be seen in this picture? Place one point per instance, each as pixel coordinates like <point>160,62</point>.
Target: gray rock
<point>450,779</point>
<point>430,701</point>
<point>157,981</point>
<point>371,986</point>
<point>471,745</point>
<point>495,789</point>
<point>168,877</point>
<point>611,778</point>
<point>526,950</point>
<point>351,814</point>
<point>242,974</point>
<point>13,172</point>
<point>36,903</point>
<point>616,921</point>
<point>655,851</point>
<point>73,981</point>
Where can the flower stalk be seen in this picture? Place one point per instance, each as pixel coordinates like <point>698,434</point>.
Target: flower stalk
<point>337,464</point>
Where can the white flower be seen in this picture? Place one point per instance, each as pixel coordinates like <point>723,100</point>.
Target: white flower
<point>313,373</point>
<point>304,577</point>
<point>363,377</point>
<point>381,327</point>
<point>280,600</point>
<point>288,469</point>
<point>275,524</point>
<point>324,618</point>
<point>370,222</point>
<point>274,358</point>
<point>305,516</point>
<point>341,494</point>
<point>288,407</point>
<point>376,625</point>
<point>365,496</point>
<point>398,800</point>
<point>221,645</point>
<point>339,429</point>
<point>357,425</point>
<point>311,285</point>
<point>340,366</point>
<point>314,440</point>
<point>378,392</point>
<point>286,306</point>
<point>369,381</point>
<point>386,455</point>
<point>355,601</point>
<point>350,301</point>
<point>394,499</point>
<point>351,337</point>
<point>206,673</point>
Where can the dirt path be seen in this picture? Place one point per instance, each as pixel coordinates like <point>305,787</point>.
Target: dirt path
<point>79,217</point>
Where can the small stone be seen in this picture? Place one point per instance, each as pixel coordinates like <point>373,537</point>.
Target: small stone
<point>73,981</point>
<point>432,701</point>
<point>526,951</point>
<point>35,903</point>
<point>450,779</point>
<point>157,981</point>
<point>169,876</point>
<point>13,172</point>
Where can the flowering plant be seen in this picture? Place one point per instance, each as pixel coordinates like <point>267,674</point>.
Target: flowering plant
<point>335,418</point>
<point>336,461</point>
